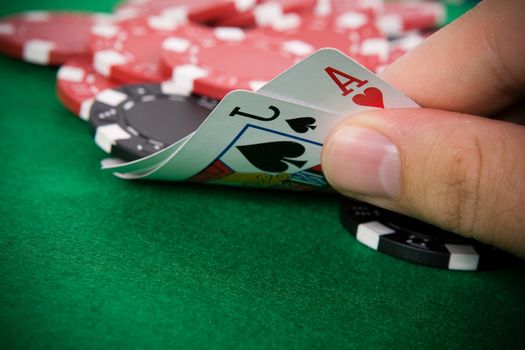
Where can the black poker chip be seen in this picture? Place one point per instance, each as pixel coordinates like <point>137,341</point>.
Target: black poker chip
<point>415,241</point>
<point>137,120</point>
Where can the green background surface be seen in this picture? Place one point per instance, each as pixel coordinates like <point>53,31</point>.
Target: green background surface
<point>91,261</point>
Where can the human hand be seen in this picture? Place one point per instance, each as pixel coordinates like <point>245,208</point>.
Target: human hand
<point>448,163</point>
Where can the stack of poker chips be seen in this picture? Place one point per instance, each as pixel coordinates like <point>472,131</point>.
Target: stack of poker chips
<point>199,50</point>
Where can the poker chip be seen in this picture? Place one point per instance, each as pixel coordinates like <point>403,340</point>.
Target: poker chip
<point>134,121</point>
<point>47,38</point>
<point>129,52</point>
<point>225,59</point>
<point>265,13</point>
<point>77,85</point>
<point>306,34</point>
<point>353,33</point>
<point>412,240</point>
<point>369,46</point>
<point>399,18</point>
<point>183,10</point>
<point>328,7</point>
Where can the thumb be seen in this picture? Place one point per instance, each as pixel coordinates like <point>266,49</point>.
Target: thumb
<point>462,173</point>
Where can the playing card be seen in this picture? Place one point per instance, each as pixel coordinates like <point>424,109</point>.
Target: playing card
<point>250,138</point>
<point>139,167</point>
<point>274,137</point>
<point>331,81</point>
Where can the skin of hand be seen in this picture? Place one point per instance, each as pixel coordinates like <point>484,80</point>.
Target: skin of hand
<point>450,163</point>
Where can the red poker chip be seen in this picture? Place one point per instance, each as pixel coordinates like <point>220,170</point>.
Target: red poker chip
<point>352,32</point>
<point>78,84</point>
<point>303,34</point>
<point>265,13</point>
<point>130,51</point>
<point>399,18</point>
<point>333,7</point>
<point>47,38</point>
<point>101,36</point>
<point>372,52</point>
<point>183,10</point>
<point>223,60</point>
<point>368,45</point>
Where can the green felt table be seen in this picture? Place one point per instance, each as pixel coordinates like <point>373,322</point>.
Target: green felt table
<point>91,261</point>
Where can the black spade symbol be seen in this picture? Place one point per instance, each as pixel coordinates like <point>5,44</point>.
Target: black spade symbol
<point>302,125</point>
<point>273,157</point>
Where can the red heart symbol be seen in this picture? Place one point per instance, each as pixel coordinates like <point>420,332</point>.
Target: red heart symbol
<point>371,97</point>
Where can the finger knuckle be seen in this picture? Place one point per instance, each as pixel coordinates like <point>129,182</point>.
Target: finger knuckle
<point>457,190</point>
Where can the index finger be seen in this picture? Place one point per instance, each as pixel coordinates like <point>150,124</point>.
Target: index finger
<point>474,65</point>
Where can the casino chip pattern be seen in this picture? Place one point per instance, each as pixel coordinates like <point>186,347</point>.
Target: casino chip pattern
<point>129,51</point>
<point>134,121</point>
<point>78,84</point>
<point>412,240</point>
<point>47,38</point>
<point>224,60</point>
